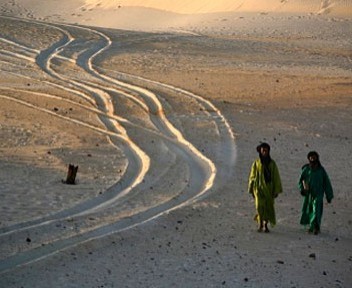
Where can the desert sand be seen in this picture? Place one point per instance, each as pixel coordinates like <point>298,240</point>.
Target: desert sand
<point>162,106</point>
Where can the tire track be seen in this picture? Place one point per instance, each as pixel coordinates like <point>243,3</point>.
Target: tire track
<point>202,170</point>
<point>159,118</point>
<point>157,109</point>
<point>104,102</point>
<point>138,160</point>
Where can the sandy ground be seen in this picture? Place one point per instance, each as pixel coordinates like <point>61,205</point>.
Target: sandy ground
<point>163,126</point>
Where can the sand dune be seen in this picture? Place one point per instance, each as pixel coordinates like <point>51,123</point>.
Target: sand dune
<point>170,15</point>
<point>201,6</point>
<point>160,15</point>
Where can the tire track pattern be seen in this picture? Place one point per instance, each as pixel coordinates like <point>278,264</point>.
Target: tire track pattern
<point>69,66</point>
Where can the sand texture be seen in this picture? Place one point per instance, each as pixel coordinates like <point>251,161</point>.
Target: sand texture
<point>161,104</point>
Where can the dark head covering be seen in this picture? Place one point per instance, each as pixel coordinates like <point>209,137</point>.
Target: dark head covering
<point>314,153</point>
<point>263,145</point>
<point>265,161</point>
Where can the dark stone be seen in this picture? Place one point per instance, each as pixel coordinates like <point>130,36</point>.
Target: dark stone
<point>312,255</point>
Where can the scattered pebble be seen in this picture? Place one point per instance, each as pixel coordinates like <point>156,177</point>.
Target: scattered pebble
<point>312,255</point>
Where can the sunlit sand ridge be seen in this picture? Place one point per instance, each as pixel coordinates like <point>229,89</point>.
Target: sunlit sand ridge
<point>191,7</point>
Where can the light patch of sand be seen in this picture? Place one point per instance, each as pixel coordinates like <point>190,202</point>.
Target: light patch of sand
<point>201,6</point>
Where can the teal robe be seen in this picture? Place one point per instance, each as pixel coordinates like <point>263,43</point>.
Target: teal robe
<point>264,193</point>
<point>319,184</point>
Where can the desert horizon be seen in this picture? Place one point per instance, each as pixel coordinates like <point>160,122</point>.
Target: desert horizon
<point>161,105</point>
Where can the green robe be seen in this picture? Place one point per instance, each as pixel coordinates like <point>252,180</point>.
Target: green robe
<point>264,193</point>
<point>319,184</point>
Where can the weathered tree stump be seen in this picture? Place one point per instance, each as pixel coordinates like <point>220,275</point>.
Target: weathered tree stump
<point>71,174</point>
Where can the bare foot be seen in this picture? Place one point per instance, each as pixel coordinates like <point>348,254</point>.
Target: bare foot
<point>266,229</point>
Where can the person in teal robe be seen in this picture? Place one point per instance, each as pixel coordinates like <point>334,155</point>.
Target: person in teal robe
<point>264,185</point>
<point>313,184</point>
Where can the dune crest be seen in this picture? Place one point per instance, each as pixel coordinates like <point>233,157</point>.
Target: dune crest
<point>201,6</point>
<point>158,15</point>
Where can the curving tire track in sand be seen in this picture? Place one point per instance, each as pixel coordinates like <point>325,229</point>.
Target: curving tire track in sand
<point>54,49</point>
<point>202,170</point>
<point>137,158</point>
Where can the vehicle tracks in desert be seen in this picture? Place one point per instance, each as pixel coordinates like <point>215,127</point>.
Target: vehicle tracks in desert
<point>68,65</point>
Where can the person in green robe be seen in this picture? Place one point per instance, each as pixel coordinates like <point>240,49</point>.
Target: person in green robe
<point>264,185</point>
<point>313,183</point>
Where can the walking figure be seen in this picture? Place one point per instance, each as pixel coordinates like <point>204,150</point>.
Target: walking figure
<point>264,185</point>
<point>313,183</point>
